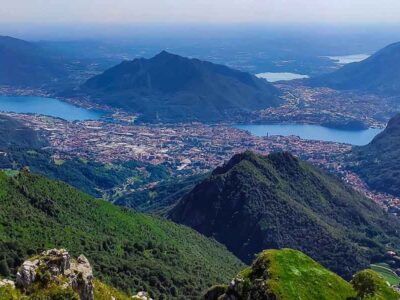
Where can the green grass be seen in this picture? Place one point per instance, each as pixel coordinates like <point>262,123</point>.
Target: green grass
<point>382,290</point>
<point>59,162</point>
<point>288,274</point>
<point>296,276</point>
<point>385,271</point>
<point>11,173</point>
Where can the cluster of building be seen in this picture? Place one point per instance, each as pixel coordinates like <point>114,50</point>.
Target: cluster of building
<point>188,148</point>
<point>326,106</point>
<point>192,147</point>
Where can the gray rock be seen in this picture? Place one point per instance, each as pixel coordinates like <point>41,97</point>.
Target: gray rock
<point>26,274</point>
<point>58,262</point>
<point>7,282</point>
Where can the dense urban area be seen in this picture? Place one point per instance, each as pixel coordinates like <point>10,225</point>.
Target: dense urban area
<point>187,149</point>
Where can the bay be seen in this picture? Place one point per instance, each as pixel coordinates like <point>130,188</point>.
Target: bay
<point>47,106</point>
<point>314,132</point>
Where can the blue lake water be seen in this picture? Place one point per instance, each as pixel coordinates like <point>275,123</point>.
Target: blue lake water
<point>347,59</point>
<point>47,106</point>
<point>314,132</point>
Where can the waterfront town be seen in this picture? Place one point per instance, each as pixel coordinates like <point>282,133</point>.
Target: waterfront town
<point>187,149</point>
<point>332,108</point>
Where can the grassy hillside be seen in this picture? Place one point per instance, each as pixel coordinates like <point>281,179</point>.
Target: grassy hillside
<point>14,133</point>
<point>128,250</point>
<point>293,275</point>
<point>387,273</point>
<point>288,274</point>
<point>377,286</point>
<point>254,203</point>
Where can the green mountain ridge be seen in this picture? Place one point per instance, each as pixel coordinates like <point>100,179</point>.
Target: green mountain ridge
<point>130,251</point>
<point>254,203</point>
<point>378,162</point>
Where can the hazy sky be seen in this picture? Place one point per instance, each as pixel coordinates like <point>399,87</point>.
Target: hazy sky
<point>132,11</point>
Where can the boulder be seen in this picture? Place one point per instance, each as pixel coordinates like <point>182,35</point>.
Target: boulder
<point>58,264</point>
<point>142,296</point>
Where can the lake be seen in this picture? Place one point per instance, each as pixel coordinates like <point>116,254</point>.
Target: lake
<point>347,59</point>
<point>47,106</point>
<point>314,132</point>
<point>274,77</point>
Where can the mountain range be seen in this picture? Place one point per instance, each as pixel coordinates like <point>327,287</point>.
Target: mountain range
<point>378,74</point>
<point>27,64</point>
<point>378,162</point>
<point>172,88</point>
<point>278,201</point>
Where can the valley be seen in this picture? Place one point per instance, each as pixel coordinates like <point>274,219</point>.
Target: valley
<point>255,164</point>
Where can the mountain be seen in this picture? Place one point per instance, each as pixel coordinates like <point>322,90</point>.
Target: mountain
<point>379,74</point>
<point>173,88</point>
<point>130,251</point>
<point>289,274</point>
<point>378,163</point>
<point>27,64</point>
<point>278,201</point>
<point>14,133</point>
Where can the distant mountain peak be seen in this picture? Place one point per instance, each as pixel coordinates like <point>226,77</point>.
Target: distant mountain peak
<point>379,74</point>
<point>165,53</point>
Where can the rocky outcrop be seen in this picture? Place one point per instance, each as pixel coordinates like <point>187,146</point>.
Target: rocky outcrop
<point>142,296</point>
<point>57,266</point>
<point>7,283</point>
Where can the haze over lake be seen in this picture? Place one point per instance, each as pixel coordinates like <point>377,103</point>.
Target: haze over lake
<point>47,106</point>
<point>347,59</point>
<point>284,76</point>
<point>314,132</point>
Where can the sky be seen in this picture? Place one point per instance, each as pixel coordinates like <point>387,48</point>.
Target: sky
<point>200,11</point>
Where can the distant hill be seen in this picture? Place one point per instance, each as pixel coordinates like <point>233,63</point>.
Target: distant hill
<point>289,274</point>
<point>378,163</point>
<point>128,250</point>
<point>380,73</point>
<point>254,203</point>
<point>173,88</point>
<point>26,64</point>
<point>14,133</point>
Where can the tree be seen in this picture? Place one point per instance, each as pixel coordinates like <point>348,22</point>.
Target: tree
<point>364,284</point>
<point>4,270</point>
